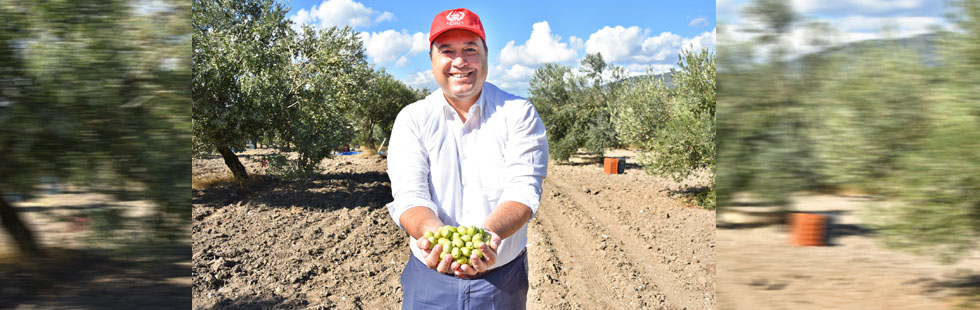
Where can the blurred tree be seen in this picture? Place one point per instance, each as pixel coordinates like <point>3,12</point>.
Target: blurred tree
<point>94,93</point>
<point>938,187</point>
<point>762,146</point>
<point>255,78</point>
<point>869,111</point>
<point>879,117</point>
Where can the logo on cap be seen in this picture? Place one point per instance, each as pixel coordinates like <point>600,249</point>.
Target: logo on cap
<point>455,17</point>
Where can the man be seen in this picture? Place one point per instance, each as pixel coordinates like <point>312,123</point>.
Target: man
<point>467,154</point>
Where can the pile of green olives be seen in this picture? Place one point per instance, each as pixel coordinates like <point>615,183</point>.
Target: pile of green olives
<point>460,242</point>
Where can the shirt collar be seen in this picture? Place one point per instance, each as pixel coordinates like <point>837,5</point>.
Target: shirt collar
<point>480,103</point>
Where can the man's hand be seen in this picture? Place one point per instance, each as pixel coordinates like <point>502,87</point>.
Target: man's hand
<point>478,265</point>
<point>432,257</point>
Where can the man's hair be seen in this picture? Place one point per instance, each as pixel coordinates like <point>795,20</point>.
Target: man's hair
<point>486,51</point>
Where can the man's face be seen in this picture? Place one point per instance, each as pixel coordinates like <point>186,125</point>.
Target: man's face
<point>459,64</point>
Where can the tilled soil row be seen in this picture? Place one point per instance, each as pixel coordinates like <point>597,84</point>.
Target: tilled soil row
<point>605,258</point>
<point>329,243</point>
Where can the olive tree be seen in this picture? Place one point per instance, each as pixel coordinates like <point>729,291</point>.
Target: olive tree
<point>255,78</point>
<point>576,108</point>
<point>674,128</point>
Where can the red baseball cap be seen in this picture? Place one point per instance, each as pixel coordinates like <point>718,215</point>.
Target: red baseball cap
<point>456,19</point>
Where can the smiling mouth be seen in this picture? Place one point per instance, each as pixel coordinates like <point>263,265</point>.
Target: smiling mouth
<point>461,75</point>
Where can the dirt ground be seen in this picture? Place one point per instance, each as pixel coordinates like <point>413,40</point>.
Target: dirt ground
<point>85,269</point>
<point>598,241</point>
<point>759,269</point>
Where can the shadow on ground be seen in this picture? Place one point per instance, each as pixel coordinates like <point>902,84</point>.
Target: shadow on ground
<point>87,279</point>
<point>324,192</point>
<point>964,288</point>
<point>257,303</point>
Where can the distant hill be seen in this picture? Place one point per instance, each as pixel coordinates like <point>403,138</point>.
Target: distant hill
<point>926,45</point>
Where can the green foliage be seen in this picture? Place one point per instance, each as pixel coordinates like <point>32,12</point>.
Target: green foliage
<point>879,118</point>
<point>673,128</point>
<point>374,114</point>
<point>938,186</point>
<point>869,113</point>
<point>95,93</point>
<point>256,79</point>
<point>576,112</point>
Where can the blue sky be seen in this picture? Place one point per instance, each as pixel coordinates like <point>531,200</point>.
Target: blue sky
<point>852,20</point>
<point>523,35</point>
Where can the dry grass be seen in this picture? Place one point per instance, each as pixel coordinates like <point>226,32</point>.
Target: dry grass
<point>225,180</point>
<point>209,181</point>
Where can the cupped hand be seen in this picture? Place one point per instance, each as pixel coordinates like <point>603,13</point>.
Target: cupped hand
<point>479,265</point>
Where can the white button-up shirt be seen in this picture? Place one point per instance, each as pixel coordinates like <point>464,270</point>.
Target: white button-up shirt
<point>462,171</point>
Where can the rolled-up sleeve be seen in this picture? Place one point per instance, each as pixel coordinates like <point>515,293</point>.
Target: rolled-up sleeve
<point>408,168</point>
<point>525,156</point>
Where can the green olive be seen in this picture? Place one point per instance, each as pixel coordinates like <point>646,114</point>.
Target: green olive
<point>462,260</point>
<point>466,237</point>
<point>432,241</point>
<point>458,243</point>
<point>456,252</point>
<point>469,244</point>
<point>466,252</point>
<point>477,252</point>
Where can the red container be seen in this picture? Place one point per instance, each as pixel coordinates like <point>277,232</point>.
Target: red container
<point>808,229</point>
<point>611,166</point>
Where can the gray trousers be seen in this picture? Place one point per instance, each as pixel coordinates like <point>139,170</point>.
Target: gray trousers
<point>501,288</point>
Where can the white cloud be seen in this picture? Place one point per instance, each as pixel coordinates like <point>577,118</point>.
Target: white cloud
<point>704,40</point>
<point>386,16</point>
<point>422,79</point>
<point>660,48</point>
<point>393,46</point>
<point>698,22</point>
<point>339,13</point>
<point>635,49</point>
<point>575,43</point>
<point>512,78</point>
<point>518,72</point>
<point>615,44</point>
<point>302,17</point>
<point>542,47</point>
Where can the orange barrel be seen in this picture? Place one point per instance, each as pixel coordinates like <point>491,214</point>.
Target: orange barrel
<point>610,165</point>
<point>808,229</point>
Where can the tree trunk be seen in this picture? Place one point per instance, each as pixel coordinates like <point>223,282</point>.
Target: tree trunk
<point>17,229</point>
<point>369,148</point>
<point>231,160</point>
